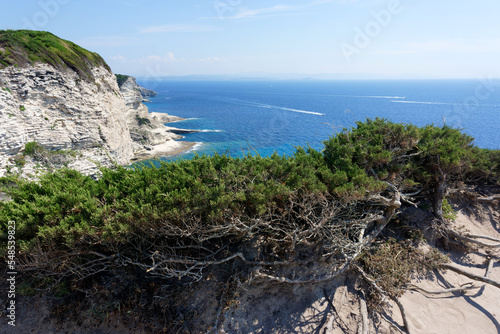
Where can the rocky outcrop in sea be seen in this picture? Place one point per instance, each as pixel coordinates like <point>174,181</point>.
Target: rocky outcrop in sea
<point>151,138</point>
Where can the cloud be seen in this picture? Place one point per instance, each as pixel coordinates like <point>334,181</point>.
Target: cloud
<point>119,58</point>
<point>241,12</point>
<point>169,57</point>
<point>177,28</point>
<point>211,60</point>
<point>450,45</point>
<point>252,13</point>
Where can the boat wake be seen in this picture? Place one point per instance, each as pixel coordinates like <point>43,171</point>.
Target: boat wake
<point>269,106</point>
<point>291,109</point>
<point>373,96</point>
<point>424,102</point>
<point>445,103</point>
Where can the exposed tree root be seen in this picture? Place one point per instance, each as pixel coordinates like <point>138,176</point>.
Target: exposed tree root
<point>463,288</point>
<point>403,314</point>
<point>471,238</point>
<point>343,269</point>
<point>392,323</point>
<point>384,297</point>
<point>489,199</point>
<point>472,276</point>
<point>363,310</point>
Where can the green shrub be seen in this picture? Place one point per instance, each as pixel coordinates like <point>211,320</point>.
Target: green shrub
<point>33,147</point>
<point>142,120</point>
<point>67,206</point>
<point>20,162</point>
<point>448,212</point>
<point>407,157</point>
<point>121,78</point>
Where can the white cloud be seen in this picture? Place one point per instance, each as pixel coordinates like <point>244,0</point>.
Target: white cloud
<point>279,9</point>
<point>450,45</point>
<point>177,28</point>
<point>245,13</point>
<point>119,58</point>
<point>169,57</point>
<point>211,60</point>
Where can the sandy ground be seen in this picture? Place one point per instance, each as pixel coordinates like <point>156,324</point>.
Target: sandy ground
<point>170,147</point>
<point>333,307</point>
<point>476,311</point>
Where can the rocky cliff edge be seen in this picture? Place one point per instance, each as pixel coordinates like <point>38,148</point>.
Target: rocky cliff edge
<point>151,137</point>
<point>65,108</point>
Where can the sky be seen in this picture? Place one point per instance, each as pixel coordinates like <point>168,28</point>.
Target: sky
<point>340,39</point>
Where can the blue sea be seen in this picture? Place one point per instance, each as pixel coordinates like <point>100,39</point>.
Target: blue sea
<point>241,117</point>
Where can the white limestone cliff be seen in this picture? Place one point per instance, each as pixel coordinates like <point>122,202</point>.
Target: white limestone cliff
<point>151,138</point>
<point>61,111</point>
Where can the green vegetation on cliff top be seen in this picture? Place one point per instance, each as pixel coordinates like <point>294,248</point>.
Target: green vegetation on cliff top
<point>121,78</point>
<point>25,47</point>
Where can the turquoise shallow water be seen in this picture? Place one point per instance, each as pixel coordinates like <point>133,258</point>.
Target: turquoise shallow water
<point>238,117</point>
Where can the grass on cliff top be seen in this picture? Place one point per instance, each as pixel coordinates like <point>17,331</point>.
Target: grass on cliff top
<point>121,78</point>
<point>26,47</point>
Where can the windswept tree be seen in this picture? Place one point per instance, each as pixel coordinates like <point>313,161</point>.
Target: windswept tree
<point>271,218</point>
<point>443,160</point>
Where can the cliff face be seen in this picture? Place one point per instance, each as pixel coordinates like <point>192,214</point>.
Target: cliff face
<point>65,101</point>
<point>147,129</point>
<point>147,92</point>
<point>64,98</point>
<point>60,111</point>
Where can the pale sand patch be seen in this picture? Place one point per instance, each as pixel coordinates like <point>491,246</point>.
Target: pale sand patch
<point>170,147</point>
<point>476,311</point>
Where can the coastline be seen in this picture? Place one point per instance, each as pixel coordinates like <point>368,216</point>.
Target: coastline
<point>150,133</point>
<point>168,148</point>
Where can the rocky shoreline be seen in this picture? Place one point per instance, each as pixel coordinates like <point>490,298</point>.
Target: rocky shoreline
<point>78,123</point>
<point>151,137</point>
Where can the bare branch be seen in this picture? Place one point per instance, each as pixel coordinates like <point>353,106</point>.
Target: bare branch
<point>195,263</point>
<point>488,199</point>
<point>383,295</point>
<point>470,275</point>
<point>461,289</point>
<point>364,313</point>
<point>403,314</point>
<point>471,238</point>
<point>475,236</point>
<point>336,274</point>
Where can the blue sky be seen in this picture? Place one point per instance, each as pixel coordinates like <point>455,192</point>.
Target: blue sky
<point>336,38</point>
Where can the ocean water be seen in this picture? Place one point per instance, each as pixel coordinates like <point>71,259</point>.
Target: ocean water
<point>241,117</point>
